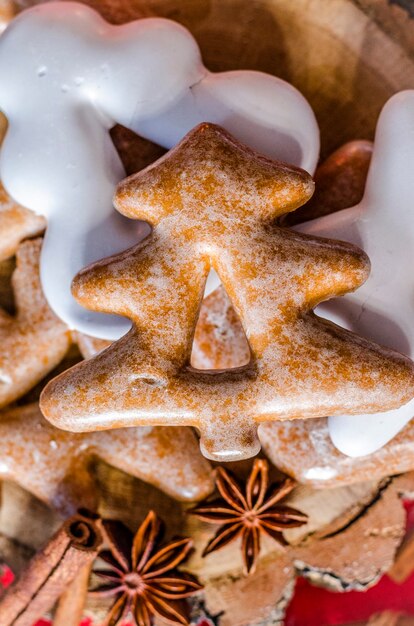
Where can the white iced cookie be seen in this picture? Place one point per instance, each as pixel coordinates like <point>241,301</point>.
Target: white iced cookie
<point>67,77</point>
<point>383,225</point>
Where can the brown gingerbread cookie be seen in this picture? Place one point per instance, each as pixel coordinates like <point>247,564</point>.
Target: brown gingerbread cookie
<point>16,224</point>
<point>339,182</point>
<point>305,451</point>
<point>56,466</point>
<point>34,340</point>
<point>212,203</point>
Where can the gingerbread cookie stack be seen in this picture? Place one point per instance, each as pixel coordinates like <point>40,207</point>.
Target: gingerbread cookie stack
<point>132,399</point>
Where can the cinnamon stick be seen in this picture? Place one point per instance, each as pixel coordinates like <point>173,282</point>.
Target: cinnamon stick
<point>51,570</point>
<point>69,610</point>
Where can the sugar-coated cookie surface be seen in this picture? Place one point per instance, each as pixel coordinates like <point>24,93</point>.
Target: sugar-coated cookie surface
<point>219,339</point>
<point>55,465</point>
<point>304,450</point>
<point>211,203</point>
<point>89,346</point>
<point>300,448</point>
<point>16,223</point>
<point>33,341</point>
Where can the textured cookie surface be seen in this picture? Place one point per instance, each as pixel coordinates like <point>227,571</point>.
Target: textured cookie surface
<point>301,448</point>
<point>165,457</point>
<point>304,450</point>
<point>212,203</point>
<point>16,223</point>
<point>33,341</point>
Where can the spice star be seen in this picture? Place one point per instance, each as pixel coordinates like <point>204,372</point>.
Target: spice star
<point>143,576</point>
<point>248,511</point>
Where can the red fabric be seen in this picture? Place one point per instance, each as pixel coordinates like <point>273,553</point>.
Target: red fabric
<point>409,507</point>
<point>6,577</point>
<point>313,606</point>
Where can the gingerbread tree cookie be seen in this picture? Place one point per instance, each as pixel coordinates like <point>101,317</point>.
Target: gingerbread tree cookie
<point>212,203</point>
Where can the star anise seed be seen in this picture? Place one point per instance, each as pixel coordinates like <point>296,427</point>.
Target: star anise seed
<point>248,511</point>
<point>142,576</point>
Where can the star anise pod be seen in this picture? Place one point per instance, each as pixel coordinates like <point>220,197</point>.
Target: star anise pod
<point>248,511</point>
<point>142,576</point>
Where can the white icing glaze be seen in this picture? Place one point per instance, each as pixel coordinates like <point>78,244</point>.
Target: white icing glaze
<point>383,225</point>
<point>67,76</point>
